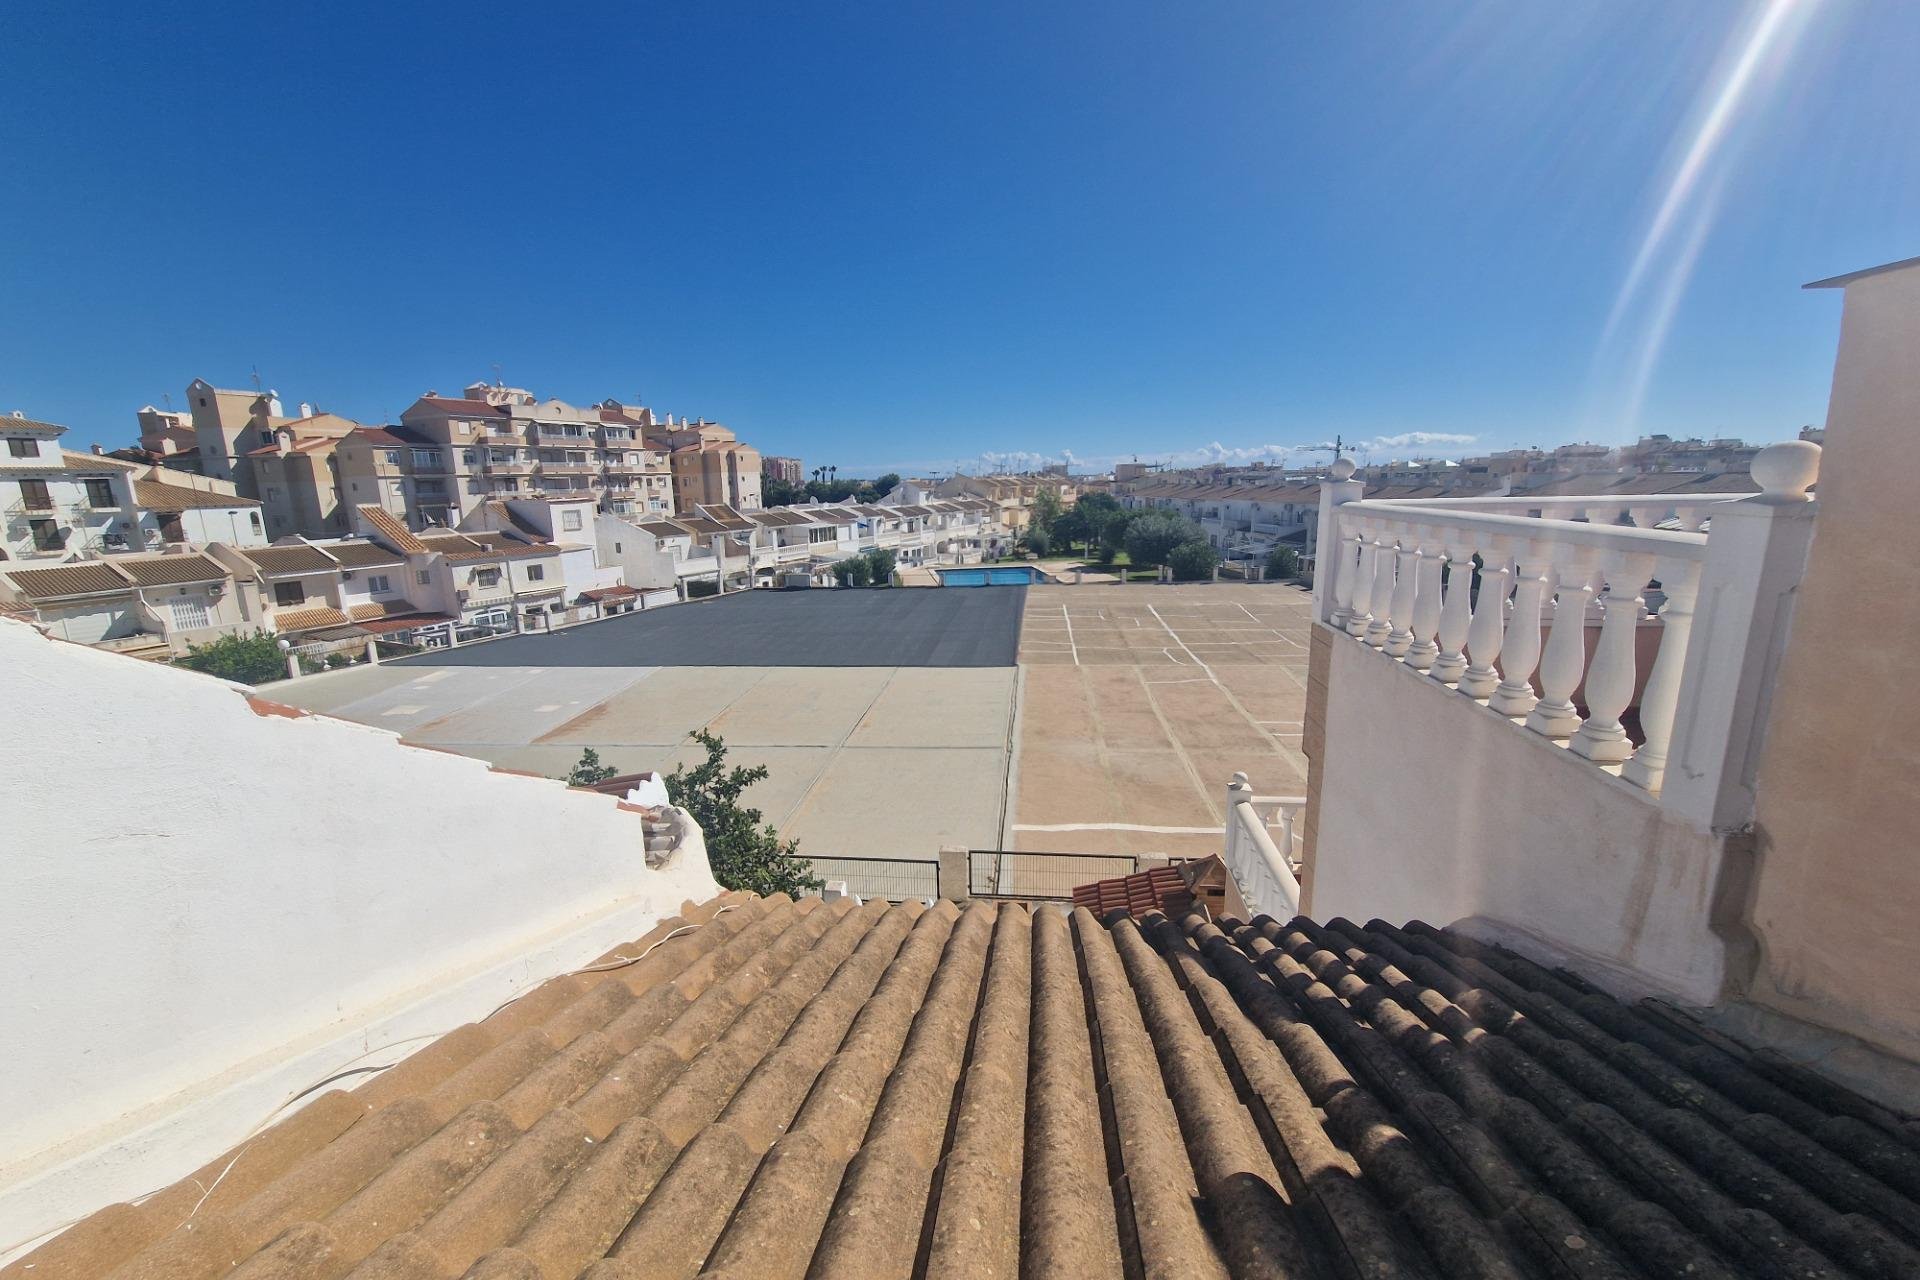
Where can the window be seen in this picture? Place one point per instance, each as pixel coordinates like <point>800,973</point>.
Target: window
<point>188,613</point>
<point>34,495</point>
<point>823,535</point>
<point>171,531</point>
<point>48,535</point>
<point>393,457</point>
<point>423,576</point>
<point>465,427</point>
<point>289,593</point>
<point>536,572</point>
<point>616,548</point>
<point>426,459</point>
<point>487,577</point>
<point>570,520</point>
<point>254,516</point>
<point>377,584</point>
<point>273,494</point>
<point>466,457</point>
<point>23,446</point>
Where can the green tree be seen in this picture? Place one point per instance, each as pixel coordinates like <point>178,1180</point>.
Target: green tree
<point>1039,541</point>
<point>775,492</point>
<point>1071,527</point>
<point>253,659</point>
<point>745,852</point>
<point>854,571</point>
<point>1046,509</point>
<point>887,483</point>
<point>1282,563</point>
<point>588,770</point>
<point>1113,532</point>
<point>880,562</point>
<point>1096,507</point>
<point>1192,561</point>
<point>1153,535</point>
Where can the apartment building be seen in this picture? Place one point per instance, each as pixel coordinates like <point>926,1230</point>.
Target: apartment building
<point>1012,495</point>
<point>60,505</point>
<point>296,477</point>
<point>787,470</point>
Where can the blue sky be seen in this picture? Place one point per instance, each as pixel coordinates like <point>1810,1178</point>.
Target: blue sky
<point>905,235</point>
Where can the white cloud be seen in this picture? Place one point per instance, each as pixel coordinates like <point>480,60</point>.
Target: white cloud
<point>1211,454</point>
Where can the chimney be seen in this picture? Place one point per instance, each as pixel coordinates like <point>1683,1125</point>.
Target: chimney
<point>283,439</point>
<point>98,451</point>
<point>306,410</point>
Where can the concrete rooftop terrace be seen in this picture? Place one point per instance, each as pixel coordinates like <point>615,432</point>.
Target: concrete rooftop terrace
<point>890,721</point>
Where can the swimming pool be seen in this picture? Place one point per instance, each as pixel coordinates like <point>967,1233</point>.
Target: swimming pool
<point>994,577</point>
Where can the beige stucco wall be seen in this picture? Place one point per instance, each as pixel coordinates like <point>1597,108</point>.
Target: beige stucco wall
<point>1839,872</point>
<point>1425,805</point>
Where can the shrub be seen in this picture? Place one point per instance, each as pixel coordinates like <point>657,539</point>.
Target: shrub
<point>588,770</point>
<point>1153,535</point>
<point>1283,563</point>
<point>880,562</point>
<point>254,659</point>
<point>854,571</point>
<point>744,852</point>
<point>1039,541</point>
<point>1192,561</point>
<point>1113,531</point>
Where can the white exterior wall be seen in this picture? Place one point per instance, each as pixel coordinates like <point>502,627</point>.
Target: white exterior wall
<point>637,554</point>
<point>300,894</point>
<point>234,526</point>
<point>1435,808</point>
<point>358,589</point>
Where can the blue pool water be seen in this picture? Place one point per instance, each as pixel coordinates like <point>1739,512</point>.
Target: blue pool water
<point>1019,577</point>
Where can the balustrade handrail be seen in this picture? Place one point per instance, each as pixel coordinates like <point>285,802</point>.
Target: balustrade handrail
<point>1521,500</point>
<point>1670,543</point>
<point>1260,869</point>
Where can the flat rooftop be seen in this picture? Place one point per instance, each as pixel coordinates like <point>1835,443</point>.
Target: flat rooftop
<point>883,628</point>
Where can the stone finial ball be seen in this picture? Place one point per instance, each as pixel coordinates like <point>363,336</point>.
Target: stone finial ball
<point>1342,469</point>
<point>1787,470</point>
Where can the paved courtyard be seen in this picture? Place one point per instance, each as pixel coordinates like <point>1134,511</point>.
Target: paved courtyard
<point>1139,702</point>
<point>887,729</point>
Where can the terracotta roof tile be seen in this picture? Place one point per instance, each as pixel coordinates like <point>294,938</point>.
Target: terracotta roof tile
<point>171,570</point>
<point>357,554</point>
<point>156,495</point>
<point>794,1089</point>
<point>308,618</point>
<point>609,594</point>
<point>292,558</point>
<point>81,578</point>
<point>389,528</point>
<point>374,610</point>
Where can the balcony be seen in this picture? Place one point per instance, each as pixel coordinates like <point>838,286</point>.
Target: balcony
<point>1580,631</point>
<point>568,468</point>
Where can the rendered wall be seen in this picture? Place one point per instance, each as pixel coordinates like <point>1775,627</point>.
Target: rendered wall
<point>1427,806</point>
<point>1839,859</point>
<point>269,892</point>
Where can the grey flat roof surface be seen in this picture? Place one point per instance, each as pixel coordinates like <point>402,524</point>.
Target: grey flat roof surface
<point>897,627</point>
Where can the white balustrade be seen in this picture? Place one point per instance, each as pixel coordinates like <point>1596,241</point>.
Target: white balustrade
<point>1262,869</point>
<point>1411,572</point>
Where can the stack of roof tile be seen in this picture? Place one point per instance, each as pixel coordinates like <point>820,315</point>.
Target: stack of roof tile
<point>1159,888</point>
<point>790,1089</point>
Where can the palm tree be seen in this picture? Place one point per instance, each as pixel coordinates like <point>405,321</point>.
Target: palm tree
<point>833,473</point>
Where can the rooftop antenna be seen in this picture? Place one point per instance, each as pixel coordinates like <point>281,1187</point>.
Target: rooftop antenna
<point>166,398</point>
<point>256,379</point>
<point>497,380</point>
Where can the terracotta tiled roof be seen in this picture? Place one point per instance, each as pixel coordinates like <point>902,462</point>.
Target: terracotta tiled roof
<point>401,622</point>
<point>156,495</point>
<point>172,570</point>
<point>95,461</point>
<point>11,423</point>
<point>391,531</point>
<point>461,408</point>
<point>820,1089</point>
<point>376,609</point>
<point>609,594</point>
<point>292,558</point>
<point>1172,889</point>
<point>83,578</point>
<point>308,618</point>
<point>663,528</point>
<point>357,555</point>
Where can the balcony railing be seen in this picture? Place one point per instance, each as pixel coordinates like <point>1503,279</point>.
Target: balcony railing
<point>1264,865</point>
<point>1497,603</point>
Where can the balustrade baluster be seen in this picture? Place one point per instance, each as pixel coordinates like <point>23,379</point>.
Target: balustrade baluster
<point>1681,583</point>
<point>1400,610</point>
<point>1385,559</point>
<point>1515,696</point>
<point>1426,606</point>
<point>1363,581</point>
<point>1488,629</point>
<point>1566,654</point>
<point>1610,675</point>
<point>1456,615</point>
<point>1346,563</point>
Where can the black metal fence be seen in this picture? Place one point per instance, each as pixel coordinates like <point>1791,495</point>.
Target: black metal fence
<point>995,874</point>
<point>895,879</point>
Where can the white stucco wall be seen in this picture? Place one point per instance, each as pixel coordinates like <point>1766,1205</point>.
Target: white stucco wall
<point>1434,808</point>
<point>271,899</point>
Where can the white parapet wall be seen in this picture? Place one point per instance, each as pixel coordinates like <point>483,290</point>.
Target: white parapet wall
<point>210,902</point>
<point>1433,807</point>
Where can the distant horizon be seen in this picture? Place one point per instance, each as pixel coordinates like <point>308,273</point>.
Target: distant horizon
<point>892,238</point>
